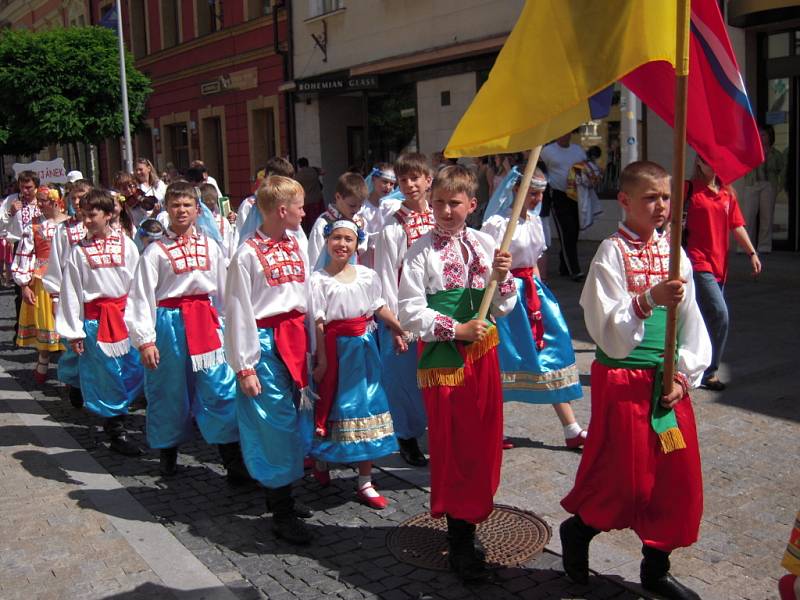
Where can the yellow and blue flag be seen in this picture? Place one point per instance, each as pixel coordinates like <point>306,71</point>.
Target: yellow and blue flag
<point>561,54</point>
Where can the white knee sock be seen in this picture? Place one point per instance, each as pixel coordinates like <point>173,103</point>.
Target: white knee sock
<point>365,486</point>
<point>572,430</point>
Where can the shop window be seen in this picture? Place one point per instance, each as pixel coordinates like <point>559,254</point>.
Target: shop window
<point>778,45</point>
<point>138,28</point>
<point>258,8</point>
<point>170,23</point>
<point>321,7</point>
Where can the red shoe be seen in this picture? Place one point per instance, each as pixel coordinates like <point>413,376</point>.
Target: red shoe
<point>507,444</point>
<point>308,463</point>
<point>39,378</point>
<point>786,587</point>
<point>376,502</point>
<point>577,442</point>
<point>323,477</point>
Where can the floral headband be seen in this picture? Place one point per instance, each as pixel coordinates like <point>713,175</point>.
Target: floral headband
<point>153,235</point>
<point>387,175</point>
<point>346,224</point>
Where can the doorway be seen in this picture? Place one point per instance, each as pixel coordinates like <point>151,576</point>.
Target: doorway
<point>213,153</point>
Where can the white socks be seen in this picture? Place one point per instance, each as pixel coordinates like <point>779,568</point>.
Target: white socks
<point>572,430</point>
<point>365,486</point>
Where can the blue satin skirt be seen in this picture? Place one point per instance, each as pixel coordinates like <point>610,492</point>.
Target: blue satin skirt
<point>275,433</point>
<point>360,425</point>
<point>176,394</point>
<point>546,376</point>
<point>108,384</point>
<point>68,366</point>
<point>399,378</point>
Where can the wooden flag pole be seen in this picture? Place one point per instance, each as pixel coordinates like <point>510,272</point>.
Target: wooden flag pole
<point>516,210</point>
<point>678,175</point>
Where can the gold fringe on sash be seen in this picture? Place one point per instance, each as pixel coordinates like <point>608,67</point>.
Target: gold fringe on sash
<point>671,439</point>
<point>427,378</point>
<point>476,350</point>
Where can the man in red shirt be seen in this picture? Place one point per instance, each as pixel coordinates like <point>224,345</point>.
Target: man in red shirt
<point>712,213</point>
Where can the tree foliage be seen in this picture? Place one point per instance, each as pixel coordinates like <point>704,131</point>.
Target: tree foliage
<point>62,86</point>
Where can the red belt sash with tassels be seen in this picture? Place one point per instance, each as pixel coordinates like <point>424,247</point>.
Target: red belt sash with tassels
<point>330,381</point>
<point>201,322</point>
<point>291,342</point>
<point>112,334</point>
<point>533,304</point>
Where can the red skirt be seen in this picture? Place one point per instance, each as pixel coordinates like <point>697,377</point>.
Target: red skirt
<point>465,435</point>
<point>625,481</point>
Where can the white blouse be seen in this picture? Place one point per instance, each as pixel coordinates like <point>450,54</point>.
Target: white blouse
<point>82,283</point>
<point>527,245</point>
<point>68,234</point>
<point>333,300</point>
<point>624,267</point>
<point>168,269</point>
<point>265,279</point>
<point>435,263</point>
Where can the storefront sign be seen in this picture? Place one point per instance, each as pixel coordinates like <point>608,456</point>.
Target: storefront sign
<point>227,82</point>
<point>338,84</point>
<point>49,171</point>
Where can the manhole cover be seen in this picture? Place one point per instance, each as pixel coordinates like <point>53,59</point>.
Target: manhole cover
<point>511,537</point>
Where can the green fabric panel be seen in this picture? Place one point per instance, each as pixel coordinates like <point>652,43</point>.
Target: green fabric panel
<point>462,304</point>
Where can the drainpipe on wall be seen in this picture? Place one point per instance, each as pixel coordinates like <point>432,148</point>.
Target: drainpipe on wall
<point>288,70</point>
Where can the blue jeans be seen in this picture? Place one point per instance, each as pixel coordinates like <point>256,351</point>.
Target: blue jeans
<point>711,301</point>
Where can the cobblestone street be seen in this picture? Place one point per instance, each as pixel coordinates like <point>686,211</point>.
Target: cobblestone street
<point>81,522</point>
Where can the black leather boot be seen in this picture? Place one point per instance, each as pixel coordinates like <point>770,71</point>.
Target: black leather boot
<point>575,538</point>
<point>118,437</point>
<point>409,450</point>
<point>236,471</point>
<point>655,577</point>
<point>75,397</point>
<point>285,523</point>
<point>464,560</point>
<point>168,461</point>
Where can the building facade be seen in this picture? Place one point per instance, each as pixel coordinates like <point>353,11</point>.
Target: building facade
<point>215,68</point>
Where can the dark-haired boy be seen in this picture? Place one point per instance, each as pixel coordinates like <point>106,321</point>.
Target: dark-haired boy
<point>351,192</point>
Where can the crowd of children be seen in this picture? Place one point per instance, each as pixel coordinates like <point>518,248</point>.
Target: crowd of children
<point>349,344</point>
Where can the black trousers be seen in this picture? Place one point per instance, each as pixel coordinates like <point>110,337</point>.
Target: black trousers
<point>565,217</point>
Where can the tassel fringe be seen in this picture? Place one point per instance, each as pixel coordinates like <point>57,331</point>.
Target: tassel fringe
<point>671,439</point>
<point>115,349</point>
<point>201,362</point>
<point>476,350</point>
<point>427,378</point>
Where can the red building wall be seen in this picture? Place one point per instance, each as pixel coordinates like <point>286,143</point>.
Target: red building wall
<point>177,74</point>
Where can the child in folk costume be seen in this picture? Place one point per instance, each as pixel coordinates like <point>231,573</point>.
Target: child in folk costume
<point>94,290</point>
<point>789,584</point>
<point>351,192</point>
<point>35,226</point>
<point>640,467</point>
<point>352,420</point>
<point>444,277</point>
<point>267,346</point>
<point>149,231</point>
<point>412,220</point>
<point>68,234</point>
<point>177,331</point>
<point>536,356</point>
<point>210,197</point>
<point>380,183</point>
<point>276,165</point>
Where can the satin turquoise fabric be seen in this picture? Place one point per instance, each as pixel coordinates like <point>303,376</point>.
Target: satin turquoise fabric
<point>399,377</point>
<point>67,371</point>
<point>275,435</point>
<point>518,353</point>
<point>108,384</point>
<point>359,395</point>
<point>176,394</point>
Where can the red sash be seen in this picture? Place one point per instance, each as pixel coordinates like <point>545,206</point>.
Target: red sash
<point>533,304</point>
<point>291,342</point>
<point>201,322</point>
<point>330,381</point>
<point>112,334</point>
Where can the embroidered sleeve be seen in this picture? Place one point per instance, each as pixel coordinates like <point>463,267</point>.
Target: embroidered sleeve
<point>444,328</point>
<point>508,286</point>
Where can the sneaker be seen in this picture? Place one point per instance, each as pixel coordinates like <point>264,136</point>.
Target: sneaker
<point>377,502</point>
<point>713,384</point>
<point>122,445</point>
<point>293,530</point>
